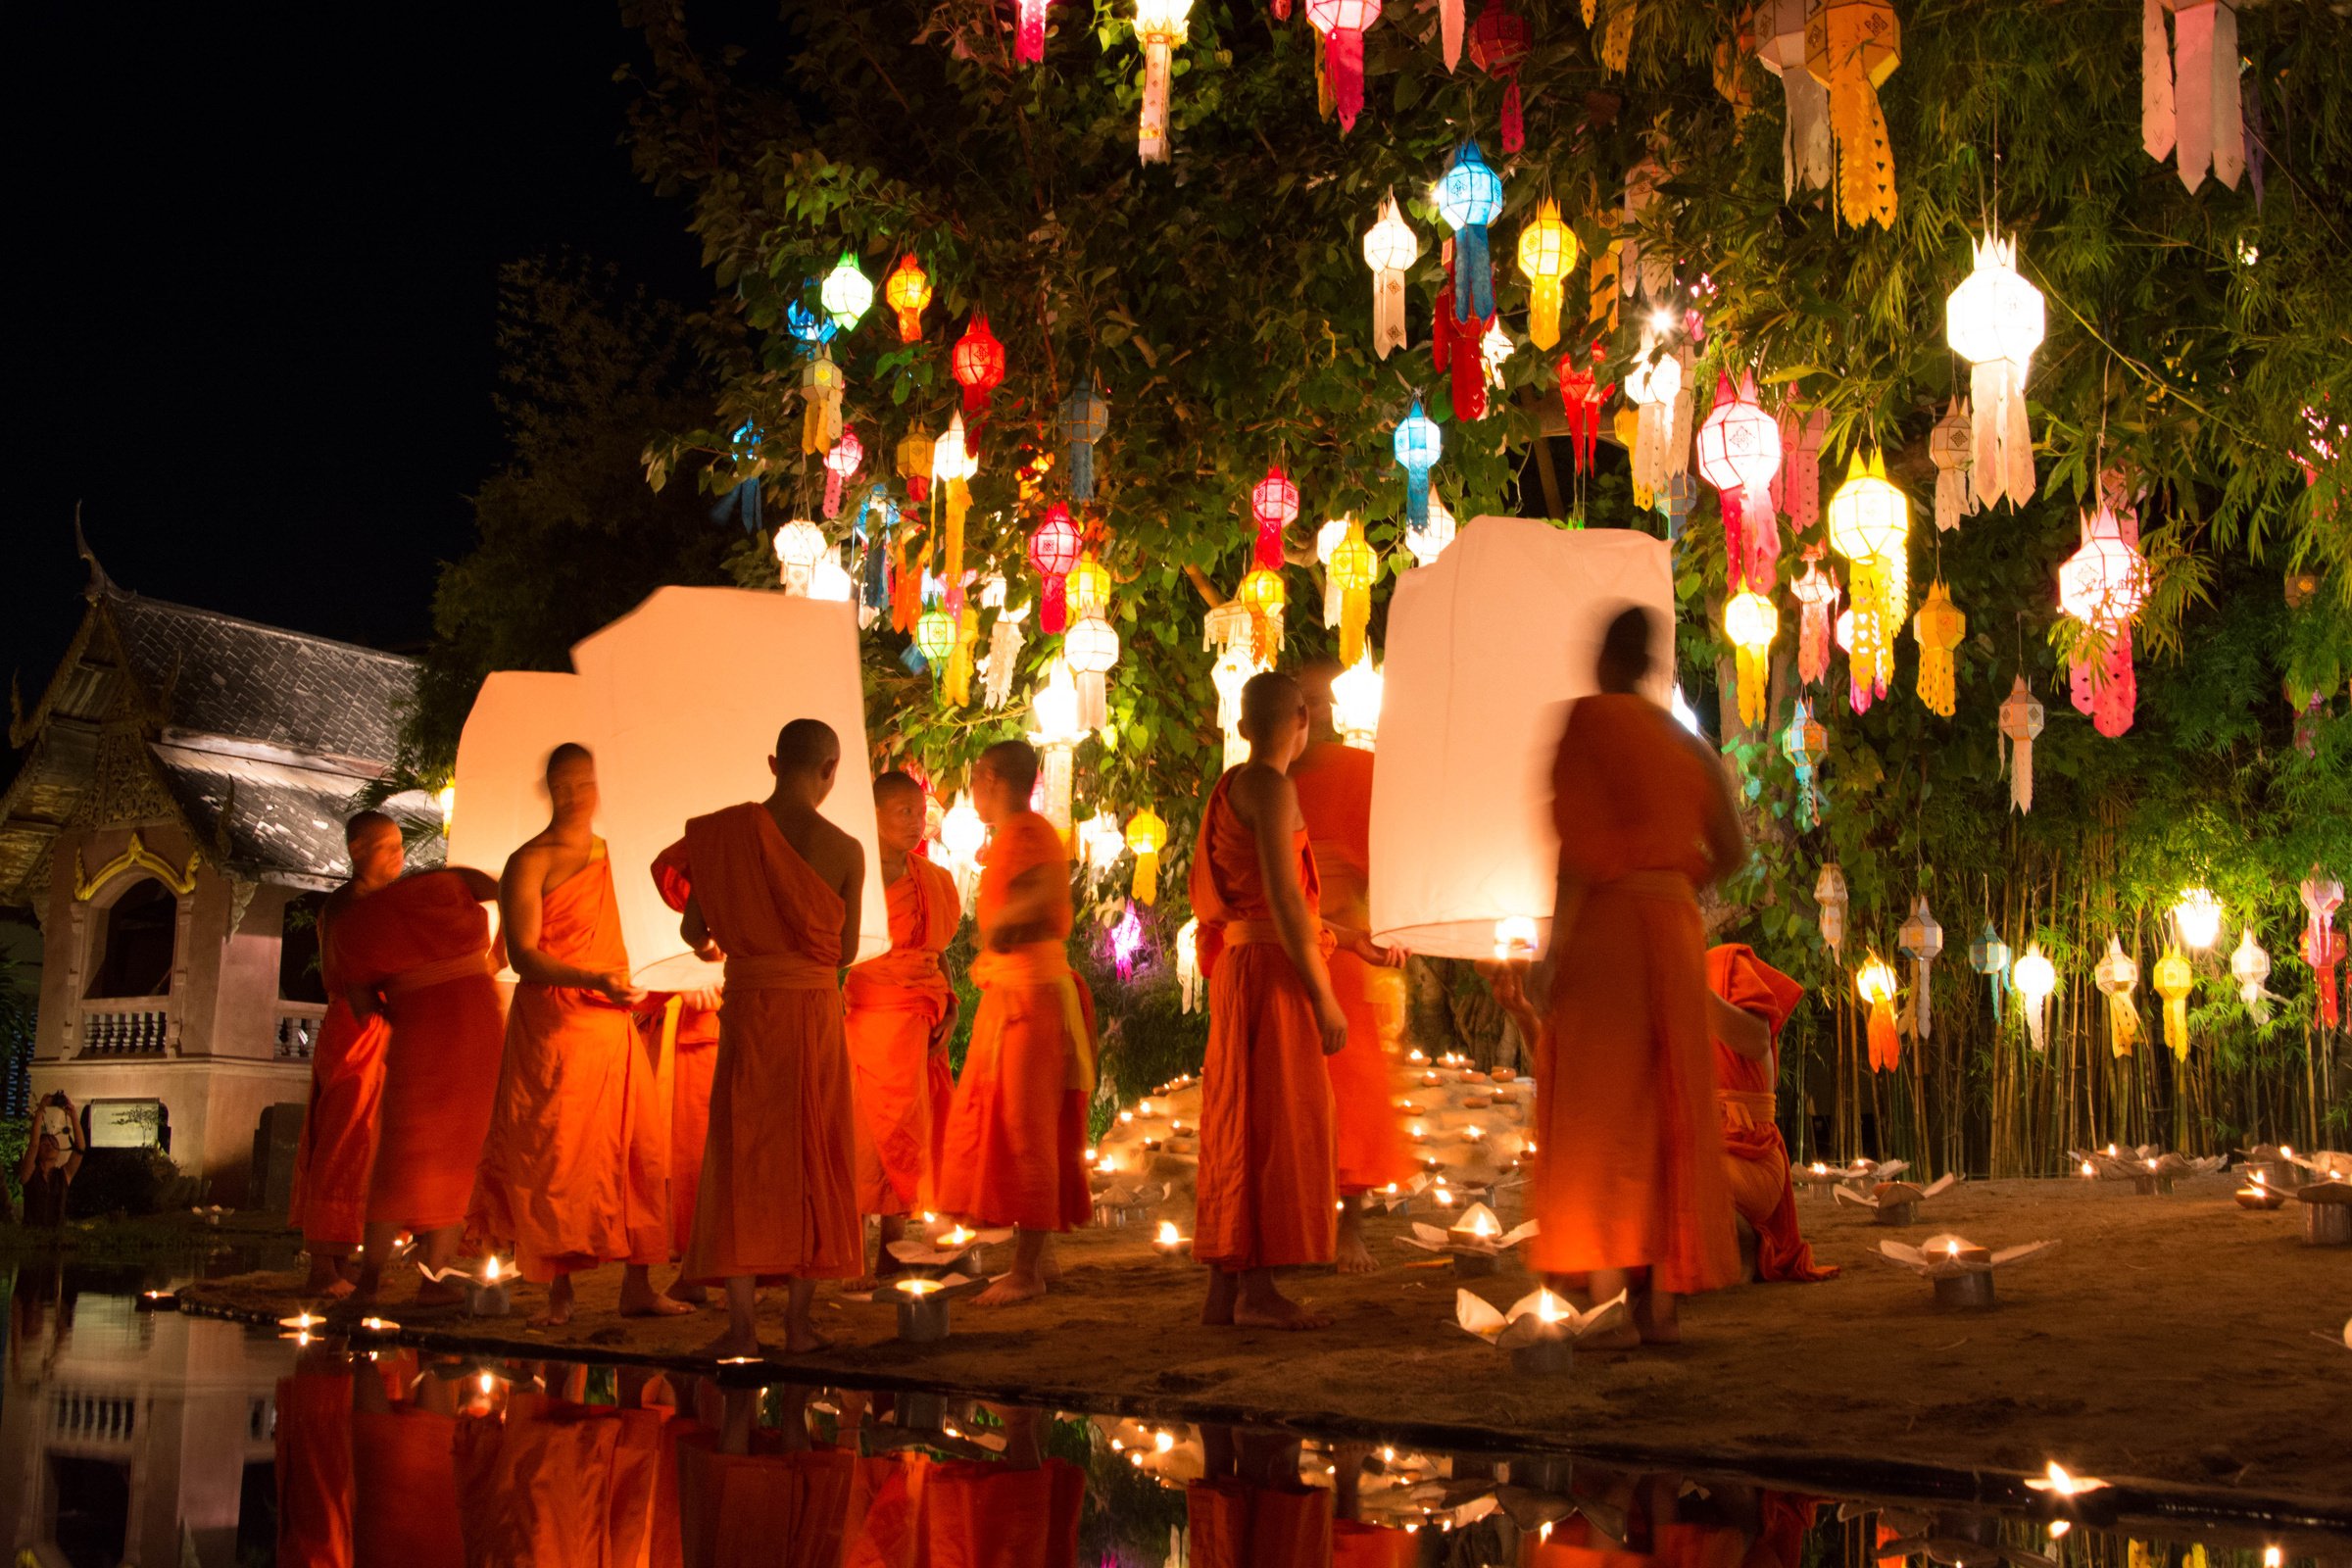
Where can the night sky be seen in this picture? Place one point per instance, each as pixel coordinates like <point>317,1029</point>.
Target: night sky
<point>251,270</point>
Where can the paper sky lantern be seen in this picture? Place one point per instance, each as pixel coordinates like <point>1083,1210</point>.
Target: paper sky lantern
<point>1274,504</point>
<point>1356,694</point>
<point>846,293</point>
<point>2188,100</point>
<point>821,388</point>
<point>1738,454</point>
<point>1085,419</point>
<point>2173,980</point>
<point>1341,25</point>
<point>2116,975</point>
<point>1830,898</point>
<point>913,455</point>
<point>800,546</point>
<point>1751,622</point>
<point>2021,722</point>
<point>2102,586</point>
<point>1989,955</point>
<point>1870,525</point>
<point>1428,541</point>
<point>977,361</point>
<point>1417,444</point>
<point>1938,627</point>
<point>1484,647</point>
<point>1498,42</point>
<point>2197,918</point>
<point>2035,977</point>
<point>1053,551</point>
<point>1390,248</point>
<point>841,464</point>
<point>1092,648</point>
<point>1852,48</point>
<point>1146,836</point>
<point>1353,570</point>
<point>1805,741</point>
<point>1876,983</point>
<point>1952,446</point>
<point>1469,197</point>
<point>1160,27</point>
<point>1582,393</point>
<point>1816,594</point>
<point>1546,253</point>
<point>907,290</point>
<point>1995,320</point>
<point>1029,32</point>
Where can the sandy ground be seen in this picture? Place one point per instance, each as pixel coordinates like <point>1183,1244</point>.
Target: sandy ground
<point>2172,1340</point>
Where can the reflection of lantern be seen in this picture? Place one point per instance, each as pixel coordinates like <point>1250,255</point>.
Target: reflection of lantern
<point>1876,983</point>
<point>2035,977</point>
<point>1951,447</point>
<point>846,292</point>
<point>1829,895</point>
<point>2197,917</point>
<point>2116,975</point>
<point>1390,247</point>
<point>1353,569</point>
<point>1921,938</point>
<point>2102,585</point>
<point>1870,525</point>
<point>907,290</point>
<point>1989,955</point>
<point>1469,197</point>
<point>1053,552</point>
<point>1428,541</point>
<point>1417,445</point>
<point>1091,648</point>
<point>1356,703</point>
<point>1815,592</point>
<point>977,362</point>
<point>1146,836</point>
<point>2021,722</point>
<point>913,456</point>
<point>1938,627</point>
<point>1160,27</point>
<point>1546,251</point>
<point>1263,595</point>
<point>1274,503</point>
<point>1738,454</point>
<point>840,464</point>
<point>1341,25</point>
<point>1995,320</point>
<point>1751,622</point>
<point>1084,417</point>
<point>2250,967</point>
<point>1805,741</point>
<point>2173,979</point>
<point>800,545</point>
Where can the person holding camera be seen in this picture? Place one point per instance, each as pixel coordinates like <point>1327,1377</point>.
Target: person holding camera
<point>51,1162</point>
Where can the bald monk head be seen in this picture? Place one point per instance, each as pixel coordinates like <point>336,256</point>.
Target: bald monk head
<point>376,852</point>
<point>1314,683</point>
<point>1274,719</point>
<point>571,784</point>
<point>1004,780</point>
<point>1625,651</point>
<point>901,813</point>
<point>807,757</point>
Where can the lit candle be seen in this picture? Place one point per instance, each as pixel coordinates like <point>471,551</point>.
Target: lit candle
<point>2260,1194</point>
<point>1418,1133</point>
<point>1167,1243</point>
<point>922,1311</point>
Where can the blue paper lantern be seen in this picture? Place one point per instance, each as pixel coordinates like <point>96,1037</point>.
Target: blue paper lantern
<point>1469,197</point>
<point>1085,417</point>
<point>1418,443</point>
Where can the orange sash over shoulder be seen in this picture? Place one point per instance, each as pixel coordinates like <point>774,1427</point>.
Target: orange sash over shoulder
<point>894,1003</point>
<point>337,1152</point>
<point>1755,1158</point>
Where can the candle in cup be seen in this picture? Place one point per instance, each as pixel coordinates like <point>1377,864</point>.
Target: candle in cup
<point>1167,1243</point>
<point>922,1311</point>
<point>2260,1194</point>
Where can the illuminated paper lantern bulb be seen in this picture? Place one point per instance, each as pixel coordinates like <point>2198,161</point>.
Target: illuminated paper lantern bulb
<point>1329,538</point>
<point>1356,694</point>
<point>2173,979</point>
<point>1089,592</point>
<point>800,546</point>
<point>1653,386</point>
<point>2197,919</point>
<point>907,290</point>
<point>2021,722</point>
<point>1851,47</point>
<point>1830,897</point>
<point>830,583</point>
<point>841,464</point>
<point>1815,592</point>
<point>846,293</point>
<point>1498,43</point>
<point>1989,957</point>
<point>2116,975</point>
<point>1995,320</point>
<point>1805,741</point>
<point>2035,977</point>
<point>1952,446</point>
<point>1751,622</point>
<point>1920,938</point>
<point>813,328</point>
<point>1263,595</point>
<point>2323,945</point>
<point>1085,420</point>
<point>1053,551</point>
<point>1390,247</point>
<point>1876,983</point>
<point>1274,504</point>
<point>913,455</point>
<point>1091,647</point>
<point>1354,568</point>
<point>1146,836</point>
<point>821,389</point>
<point>1938,627</point>
<point>2102,586</point>
<point>977,361</point>
<point>1740,455</point>
<point>1343,25</point>
<point>1417,443</point>
<point>953,461</point>
<point>1469,197</point>
<point>1546,254</point>
<point>1870,525</point>
<point>935,639</point>
<point>1188,967</point>
<point>1054,708</point>
<point>1160,27</point>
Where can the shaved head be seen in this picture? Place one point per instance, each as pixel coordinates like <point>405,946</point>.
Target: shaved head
<point>1315,683</point>
<point>1625,649</point>
<point>566,755</point>
<point>807,746</point>
<point>892,784</point>
<point>1013,762</point>
<point>1268,702</point>
<point>367,823</point>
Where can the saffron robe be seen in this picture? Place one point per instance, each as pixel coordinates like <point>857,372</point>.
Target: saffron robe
<point>572,1173</point>
<point>1012,1152</point>
<point>314,1468</point>
<point>776,1511</point>
<point>893,1002</point>
<point>1234,1524</point>
<point>405,1494</point>
<point>692,1060</point>
<point>775,1199</point>
<point>1335,795</point>
<point>1267,1184</point>
<point>424,946</point>
<point>885,1521</point>
<point>982,1515</point>
<point>1755,1160</point>
<point>559,1484</point>
<point>338,1152</point>
<point>1629,1170</point>
<point>1355,1544</point>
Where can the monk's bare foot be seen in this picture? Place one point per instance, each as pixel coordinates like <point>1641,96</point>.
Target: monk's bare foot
<point>732,1346</point>
<point>1049,1262</point>
<point>1218,1311</point>
<point>690,1295</point>
<point>325,1273</point>
<point>652,1305</point>
<point>1281,1312</point>
<point>1011,1288</point>
<point>338,1290</point>
<point>800,1339</point>
<point>1624,1336</point>
<point>1656,1320</point>
<point>1352,1256</point>
<point>558,1310</point>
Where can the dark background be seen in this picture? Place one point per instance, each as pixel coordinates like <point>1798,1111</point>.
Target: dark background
<point>250,278</point>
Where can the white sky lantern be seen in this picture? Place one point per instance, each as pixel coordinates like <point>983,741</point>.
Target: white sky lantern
<point>1356,703</point>
<point>1995,320</point>
<point>800,545</point>
<point>1485,649</point>
<point>1390,248</point>
<point>519,716</point>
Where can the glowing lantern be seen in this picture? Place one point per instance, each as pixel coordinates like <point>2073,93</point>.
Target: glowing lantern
<point>1469,197</point>
<point>2173,979</point>
<point>1390,247</point>
<point>841,463</point>
<point>1428,541</point>
<point>1938,627</point>
<point>1417,445</point>
<point>800,546</point>
<point>1091,648</point>
<point>1922,938</point>
<point>2197,918</point>
<point>1816,594</point>
<point>1805,741</point>
<point>447,800</point>
<point>1852,48</point>
<point>2035,977</point>
<point>1004,639</point>
<point>1989,955</point>
<point>2323,945</point>
<point>821,388</point>
<point>1146,836</point>
<point>2021,722</point>
<point>813,328</point>
<point>1805,140</point>
<point>935,639</point>
<point>2102,585</point>
<point>1951,445</point>
<point>1582,393</point>
<point>846,293</point>
<point>1995,320</point>
<point>957,683</point>
<point>953,461</point>
<point>1084,417</point>
<point>1328,538</point>
<point>1876,984</point>
<point>1230,674</point>
<point>1088,591</point>
<point>1751,622</point>
<point>1274,503</point>
<point>1188,967</point>
<point>1160,27</point>
<point>1829,895</point>
<point>2116,975</point>
<point>1738,454</point>
<point>1029,32</point>
<point>1547,252</point>
<point>1342,26</point>
<point>1054,708</point>
<point>829,582</point>
<point>1498,42</point>
<point>1053,551</point>
<point>977,361</point>
<point>1653,386</point>
<point>1859,688</point>
<point>2250,967</point>
<point>1262,594</point>
<point>914,454</point>
<point>907,290</point>
<point>1356,703</point>
<point>1797,490</point>
<point>1354,568</point>
<point>962,832</point>
<point>1870,525</point>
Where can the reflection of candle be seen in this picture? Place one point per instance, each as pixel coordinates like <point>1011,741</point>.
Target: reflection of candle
<point>1144,1106</point>
<point>1126,1116</point>
<point>1471,1135</point>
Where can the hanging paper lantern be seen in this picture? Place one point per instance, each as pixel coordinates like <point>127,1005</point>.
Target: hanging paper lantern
<point>846,293</point>
<point>1852,48</point>
<point>977,361</point>
<point>2323,945</point>
<point>1877,984</point>
<point>2173,979</point>
<point>1340,25</point>
<point>821,388</point>
<point>1091,647</point>
<point>1054,708</point>
<point>1085,419</point>
<point>875,521</point>
<point>1829,894</point>
<point>813,328</point>
<point>841,463</point>
<point>2197,918</point>
<point>1235,663</point>
<point>1428,541</point>
<point>800,545</point>
<point>1951,445</point>
<point>1939,628</point>
<point>1860,679</point>
<point>1498,42</point>
<point>953,461</point>
<point>1329,538</point>
<point>1160,27</point>
<point>1188,967</point>
<point>1751,622</point>
<point>1816,594</point>
<point>1805,741</point>
<point>935,638</point>
<point>1582,393</point>
<point>1653,384</point>
<point>2116,975</point>
<point>1989,955</point>
<point>907,290</point>
<point>1417,445</point>
<point>1053,551</point>
<point>1354,568</point>
<point>1739,453</point>
<point>1274,504</point>
<point>1469,197</point>
<point>956,684</point>
<point>1088,589</point>
<point>2035,977</point>
<point>2250,967</point>
<point>1922,938</point>
<point>1796,490</point>
<point>913,456</point>
<point>1870,525</point>
<point>1356,694</point>
<point>1146,836</point>
<point>1463,347</point>
<point>1390,247</point>
<point>1805,140</point>
<point>1029,32</point>
<point>1003,659</point>
<point>2189,101</point>
<point>962,834</point>
<point>1995,320</point>
<point>2021,722</point>
<point>1262,594</point>
<point>2102,586</point>
<point>1546,251</point>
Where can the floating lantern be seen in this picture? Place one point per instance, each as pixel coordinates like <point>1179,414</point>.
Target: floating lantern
<point>1995,320</point>
<point>1146,836</point>
<point>907,290</point>
<point>1540,1330</point>
<point>2172,981</point>
<point>1939,628</point>
<point>1341,25</point>
<point>1922,938</point>
<point>1091,647</point>
<point>2102,585</point>
<point>1390,247</point>
<point>1989,955</point>
<point>1546,253</point>
<point>1469,197</point>
<point>1960,1270</point>
<point>1892,1202</point>
<point>1805,741</point>
<point>1356,703</point>
<point>821,388</point>
<point>1951,448</point>
<point>953,461</point>
<point>1816,594</point>
<point>800,546</point>
<point>1476,1242</point>
<point>1160,27</point>
<point>1428,541</point>
<point>2035,977</point>
<point>1876,983</point>
<point>841,464</point>
<point>913,455</point>
<point>2116,975</point>
<point>1870,525</point>
<point>1274,504</point>
<point>1054,549</point>
<point>1740,454</point>
<point>2188,103</point>
<point>2197,917</point>
<point>2020,720</point>
<point>1852,48</point>
<point>977,361</point>
<point>1085,420</point>
<point>1751,622</point>
<point>2250,967</point>
<point>844,293</point>
<point>1829,894</point>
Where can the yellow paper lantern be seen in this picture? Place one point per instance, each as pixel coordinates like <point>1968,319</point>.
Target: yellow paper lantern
<point>1146,836</point>
<point>907,290</point>
<point>1088,590</point>
<point>1870,525</point>
<point>1546,251</point>
<point>1354,566</point>
<point>1751,622</point>
<point>1877,985</point>
<point>1938,627</point>
<point>1851,47</point>
<point>2117,974</point>
<point>1264,594</point>
<point>2173,979</point>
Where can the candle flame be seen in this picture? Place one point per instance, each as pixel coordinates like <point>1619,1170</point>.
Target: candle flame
<point>485,1381</point>
<point>2260,1180</point>
<point>959,1237</point>
<point>1951,1249</point>
<point>2285,1152</point>
<point>2111,1151</point>
<point>1167,1233</point>
<point>1163,1440</point>
<point>2087,1170</point>
<point>1144,1106</point>
<point>490,1273</point>
<point>2058,1528</point>
<point>2060,1481</point>
<point>918,1289</point>
<point>1549,1308</point>
<point>1819,1169</point>
<point>2272,1558</point>
<point>1482,1223</point>
<point>1444,1198</point>
<point>1126,1116</point>
<point>302,1339</point>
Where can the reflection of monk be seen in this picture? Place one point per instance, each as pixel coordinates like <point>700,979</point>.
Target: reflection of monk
<point>1011,1152</point>
<point>1335,795</point>
<point>419,953</point>
<point>1250,1509</point>
<point>1022,1509</point>
<point>741,1500</point>
<point>775,892</point>
<point>561,1174</point>
<point>313,1462</point>
<point>1753,999</point>
<point>1267,1180</point>
<point>559,1483</point>
<point>901,1016</point>
<point>338,1152</point>
<point>1628,1185</point>
<point>404,1483</point>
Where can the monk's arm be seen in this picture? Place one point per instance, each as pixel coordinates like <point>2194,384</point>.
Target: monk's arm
<point>480,884</point>
<point>1024,915</point>
<point>697,932</point>
<point>1743,1031</point>
<point>519,892</point>
<point>1269,804</point>
<point>852,889</point>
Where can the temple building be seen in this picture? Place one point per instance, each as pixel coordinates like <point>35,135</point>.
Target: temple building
<point>173,825</point>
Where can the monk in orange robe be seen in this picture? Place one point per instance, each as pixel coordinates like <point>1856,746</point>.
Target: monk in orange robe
<point>418,953</point>
<point>337,1151</point>
<point>314,1461</point>
<point>901,1016</point>
<point>1628,1185</point>
<point>1752,1001</point>
<point>1267,1177</point>
<point>404,1479</point>
<point>693,1058</point>
<point>576,1096</point>
<point>1250,1509</point>
<point>1013,1152</point>
<point>774,892</point>
<point>558,1482</point>
<point>1334,782</point>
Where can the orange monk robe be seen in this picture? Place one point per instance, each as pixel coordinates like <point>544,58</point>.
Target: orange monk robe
<point>1335,795</point>
<point>314,1468</point>
<point>338,1152</point>
<point>692,1060</point>
<point>982,1515</point>
<point>1267,1181</point>
<point>776,1511</point>
<point>423,944</point>
<point>1356,1545</point>
<point>1013,1152</point>
<point>1573,1544</point>
<point>405,1494</point>
<point>570,1173</point>
<point>558,1484</point>
<point>775,1199</point>
<point>1234,1524</point>
<point>885,1519</point>
<point>1629,1169</point>
<point>1755,1160</point>
<point>893,1002</point>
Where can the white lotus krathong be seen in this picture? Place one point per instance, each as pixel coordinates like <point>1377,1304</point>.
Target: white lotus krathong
<point>1948,1256</point>
<point>1539,1316</point>
<point>1886,1198</point>
<point>1477,1234</point>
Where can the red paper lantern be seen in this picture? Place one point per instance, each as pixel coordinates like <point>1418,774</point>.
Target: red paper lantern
<point>1274,503</point>
<point>978,365</point>
<point>1053,551</point>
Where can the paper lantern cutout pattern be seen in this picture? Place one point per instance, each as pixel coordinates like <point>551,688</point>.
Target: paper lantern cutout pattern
<point>813,328</point>
<point>2323,945</point>
<point>1417,444</point>
<point>977,361</point>
<point>1582,393</point>
<point>1469,197</point>
<point>1852,48</point>
<point>1053,551</point>
<point>1920,938</point>
<point>907,290</point>
<point>1995,320</point>
<point>1356,694</point>
<point>2021,722</point>
<point>1390,248</point>
<point>1876,984</point>
<point>1053,710</point>
<point>1003,662</point>
<point>846,293</point>
<point>2035,977</point>
<point>1274,506</point>
<point>2250,967</point>
<point>1939,628</point>
<point>1085,420</point>
<point>841,464</point>
<point>1546,253</point>
<point>1091,647</point>
<point>1952,446</point>
<point>1498,42</point>
<point>1146,836</point>
<point>1797,491</point>
<point>800,545</point>
<point>821,389</point>
<point>935,639</point>
<point>1160,27</point>
<point>1353,569</point>
<point>2172,981</point>
<point>1870,525</point>
<point>1815,592</point>
<point>1738,454</point>
<point>1653,386</point>
<point>1088,589</point>
<point>1805,741</point>
<point>1751,622</point>
<point>1989,955</point>
<point>2116,975</point>
<point>913,455</point>
<point>2102,586</point>
<point>1342,26</point>
<point>1029,32</point>
<point>2188,98</point>
<point>1830,897</point>
<point>1806,143</point>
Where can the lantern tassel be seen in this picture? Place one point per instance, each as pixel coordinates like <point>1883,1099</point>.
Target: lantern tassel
<point>1146,877</point>
<point>1388,311</point>
<point>2037,1020</point>
<point>1082,471</point>
<point>1151,133</point>
<point>1053,606</point>
<point>1473,275</point>
<point>1885,1041</point>
<point>1543,312</point>
<point>1514,127</point>
<point>1356,613</point>
<point>959,679</point>
<point>1756,676</point>
<point>1029,36</point>
<point>1416,497</point>
<point>1346,50</point>
<point>2123,1022</point>
<point>1449,31</point>
<point>2156,134</point>
<point>1093,699</point>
